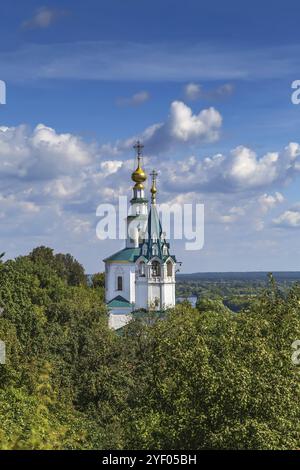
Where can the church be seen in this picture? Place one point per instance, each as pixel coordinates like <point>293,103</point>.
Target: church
<point>141,276</point>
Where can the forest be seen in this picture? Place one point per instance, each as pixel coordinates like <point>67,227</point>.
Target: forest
<point>236,290</point>
<point>196,378</point>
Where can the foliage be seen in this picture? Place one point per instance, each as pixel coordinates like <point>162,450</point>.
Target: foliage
<point>98,280</point>
<point>65,266</point>
<point>193,378</point>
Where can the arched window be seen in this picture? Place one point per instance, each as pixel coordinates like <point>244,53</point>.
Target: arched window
<point>145,250</point>
<point>142,269</point>
<point>155,250</point>
<point>165,250</point>
<point>155,269</point>
<point>119,283</point>
<point>169,269</point>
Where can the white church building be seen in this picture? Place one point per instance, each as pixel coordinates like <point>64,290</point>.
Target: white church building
<point>141,276</point>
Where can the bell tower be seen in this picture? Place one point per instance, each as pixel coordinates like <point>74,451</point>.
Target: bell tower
<point>137,218</point>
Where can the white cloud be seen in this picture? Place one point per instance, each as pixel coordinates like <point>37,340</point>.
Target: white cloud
<point>239,171</point>
<point>42,153</point>
<point>61,188</point>
<point>227,219</point>
<point>195,91</point>
<point>238,211</point>
<point>192,91</point>
<point>134,100</point>
<point>224,90</point>
<point>269,201</point>
<point>182,126</point>
<point>289,219</point>
<point>111,166</point>
<point>51,182</point>
<point>47,167</point>
<point>43,18</point>
<point>246,168</point>
<point>185,126</point>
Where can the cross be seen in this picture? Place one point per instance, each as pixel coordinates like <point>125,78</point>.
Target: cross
<point>154,175</point>
<point>138,146</point>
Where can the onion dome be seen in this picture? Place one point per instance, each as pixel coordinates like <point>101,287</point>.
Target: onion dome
<point>139,176</point>
<point>153,189</point>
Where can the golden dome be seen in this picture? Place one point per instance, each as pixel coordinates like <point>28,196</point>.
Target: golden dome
<point>138,186</point>
<point>153,189</point>
<point>139,176</point>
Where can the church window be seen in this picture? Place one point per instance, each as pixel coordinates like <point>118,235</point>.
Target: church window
<point>165,250</point>
<point>144,250</point>
<point>169,269</point>
<point>142,269</point>
<point>155,269</point>
<point>155,250</point>
<point>119,283</point>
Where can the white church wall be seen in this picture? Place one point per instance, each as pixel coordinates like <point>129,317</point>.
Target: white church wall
<point>118,320</point>
<point>126,270</point>
<point>168,294</point>
<point>132,289</point>
<point>154,294</point>
<point>141,300</point>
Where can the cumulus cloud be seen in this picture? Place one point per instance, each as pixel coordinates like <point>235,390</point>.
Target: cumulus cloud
<point>40,154</point>
<point>43,18</point>
<point>182,126</point>
<point>51,182</point>
<point>269,201</point>
<point>288,219</point>
<point>192,91</point>
<point>134,100</point>
<point>239,171</point>
<point>195,91</point>
<point>49,164</point>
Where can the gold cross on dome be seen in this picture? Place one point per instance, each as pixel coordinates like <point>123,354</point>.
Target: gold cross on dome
<point>154,175</point>
<point>138,146</point>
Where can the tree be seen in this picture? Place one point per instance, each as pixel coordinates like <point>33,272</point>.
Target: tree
<point>70,269</point>
<point>65,265</point>
<point>98,280</point>
<point>216,380</point>
<point>190,378</point>
<point>45,322</point>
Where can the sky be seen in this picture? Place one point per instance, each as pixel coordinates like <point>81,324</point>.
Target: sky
<point>205,85</point>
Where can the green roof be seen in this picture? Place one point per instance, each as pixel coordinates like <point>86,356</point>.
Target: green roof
<point>127,254</point>
<point>119,301</point>
<point>154,225</point>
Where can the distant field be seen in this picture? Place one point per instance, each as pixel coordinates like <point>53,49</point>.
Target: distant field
<point>280,276</point>
<point>236,289</point>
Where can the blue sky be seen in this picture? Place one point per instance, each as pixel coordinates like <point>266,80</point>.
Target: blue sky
<point>206,86</point>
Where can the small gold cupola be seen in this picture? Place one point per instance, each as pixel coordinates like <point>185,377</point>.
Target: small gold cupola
<point>139,176</point>
<point>153,189</point>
